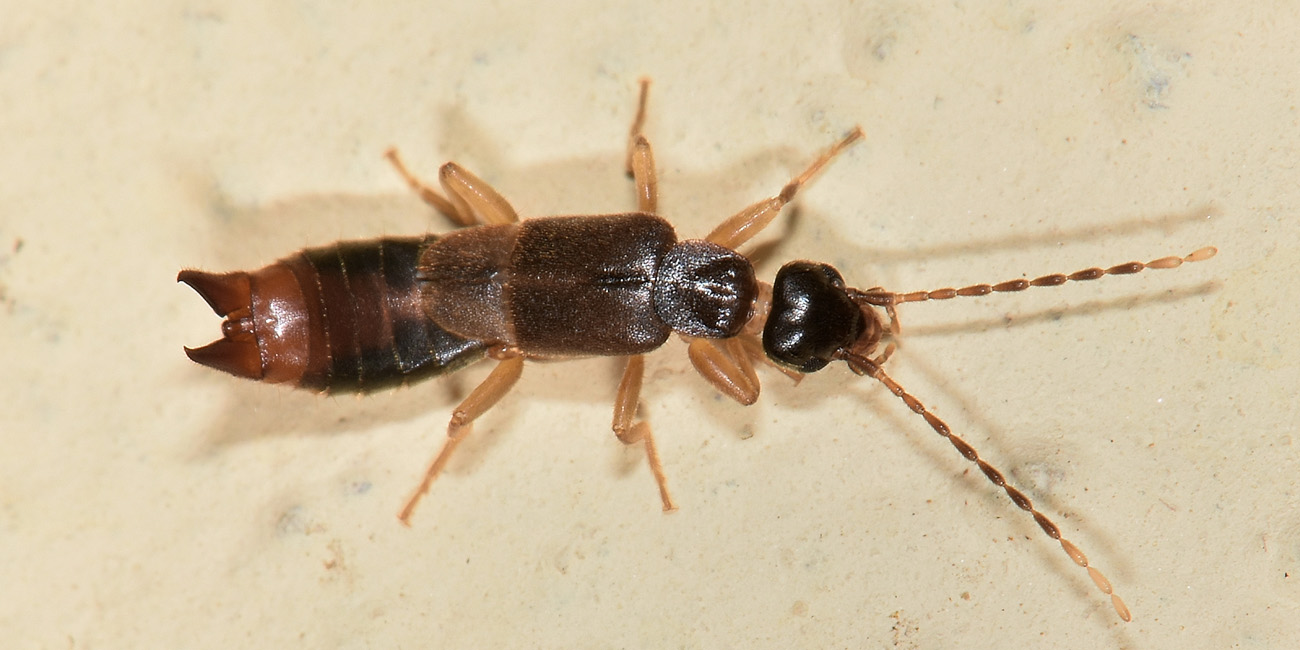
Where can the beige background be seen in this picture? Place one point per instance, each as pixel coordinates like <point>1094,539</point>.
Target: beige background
<point>146,502</point>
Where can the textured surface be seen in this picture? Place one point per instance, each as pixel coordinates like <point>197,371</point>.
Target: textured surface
<point>146,502</point>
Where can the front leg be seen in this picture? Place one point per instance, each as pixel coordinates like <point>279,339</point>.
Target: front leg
<point>742,226</point>
<point>727,366</point>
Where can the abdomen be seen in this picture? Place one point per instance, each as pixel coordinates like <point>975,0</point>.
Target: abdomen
<point>373,332</point>
<point>344,317</point>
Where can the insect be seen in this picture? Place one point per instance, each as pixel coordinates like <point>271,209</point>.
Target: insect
<point>366,315</point>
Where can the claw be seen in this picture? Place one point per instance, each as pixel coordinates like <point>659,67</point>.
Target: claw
<point>230,295</point>
<point>239,358</point>
<point>225,292</point>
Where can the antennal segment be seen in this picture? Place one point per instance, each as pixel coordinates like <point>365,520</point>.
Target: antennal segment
<point>864,366</point>
<point>882,298</point>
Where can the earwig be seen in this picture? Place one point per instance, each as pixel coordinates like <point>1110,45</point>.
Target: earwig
<point>366,315</point>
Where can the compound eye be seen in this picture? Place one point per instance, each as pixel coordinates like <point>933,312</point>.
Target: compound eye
<point>811,318</point>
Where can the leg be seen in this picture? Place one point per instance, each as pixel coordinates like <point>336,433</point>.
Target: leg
<point>472,195</point>
<point>640,159</point>
<point>630,432</point>
<point>469,201</point>
<point>740,227</point>
<point>894,330</point>
<point>726,366</point>
<point>482,398</point>
<point>430,196</point>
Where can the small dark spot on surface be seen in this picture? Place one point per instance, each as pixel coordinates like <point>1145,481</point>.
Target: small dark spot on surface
<point>297,521</point>
<point>882,46</point>
<point>1157,68</point>
<point>336,560</point>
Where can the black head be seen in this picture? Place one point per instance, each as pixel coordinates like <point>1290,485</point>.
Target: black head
<point>812,317</point>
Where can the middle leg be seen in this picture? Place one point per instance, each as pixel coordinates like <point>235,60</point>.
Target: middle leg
<point>641,160</point>
<point>630,431</point>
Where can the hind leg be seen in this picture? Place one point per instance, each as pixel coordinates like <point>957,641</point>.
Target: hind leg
<point>470,201</point>
<point>485,396</point>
